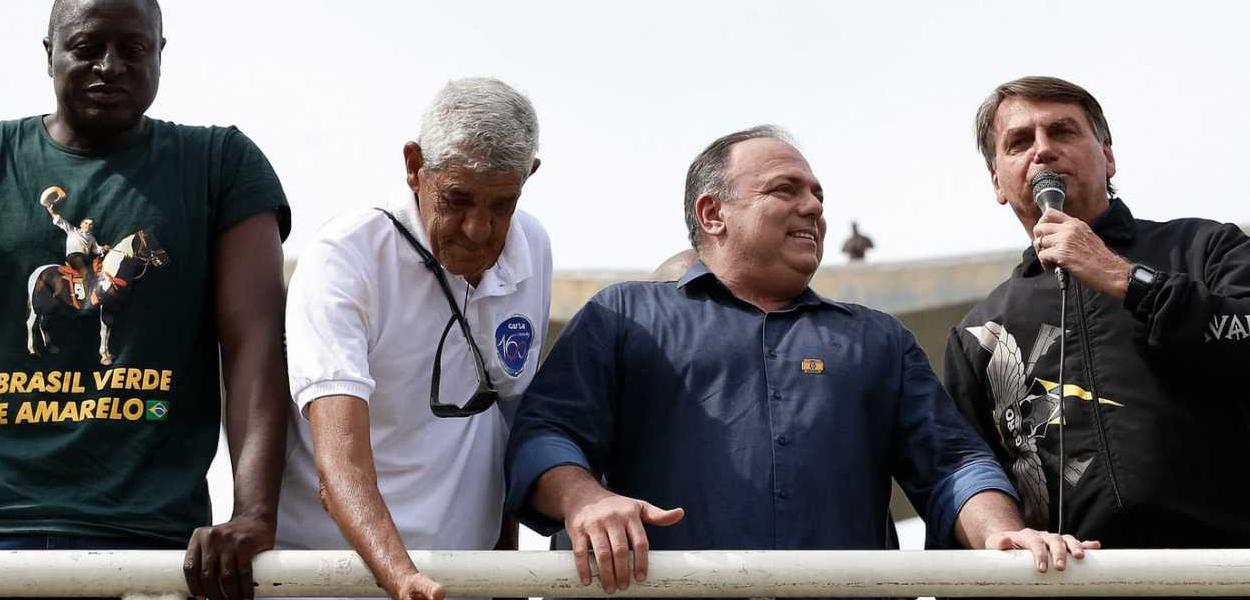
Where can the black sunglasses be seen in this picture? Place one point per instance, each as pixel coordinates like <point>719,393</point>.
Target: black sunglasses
<point>486,395</point>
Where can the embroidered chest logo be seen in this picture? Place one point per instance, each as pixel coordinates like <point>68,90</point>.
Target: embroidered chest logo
<point>812,366</point>
<point>513,339</point>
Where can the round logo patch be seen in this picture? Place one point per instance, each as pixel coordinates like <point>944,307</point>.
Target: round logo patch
<point>512,341</point>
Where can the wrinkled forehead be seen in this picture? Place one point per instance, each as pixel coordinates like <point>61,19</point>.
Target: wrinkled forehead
<point>105,17</point>
<point>1019,112</point>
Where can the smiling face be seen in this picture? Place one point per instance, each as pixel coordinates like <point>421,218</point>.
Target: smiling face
<point>104,58</point>
<point>466,212</point>
<point>772,228</point>
<point>1032,136</point>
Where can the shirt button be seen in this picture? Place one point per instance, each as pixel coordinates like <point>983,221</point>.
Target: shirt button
<point>772,354</point>
<point>783,494</point>
<point>776,395</point>
<point>782,440</point>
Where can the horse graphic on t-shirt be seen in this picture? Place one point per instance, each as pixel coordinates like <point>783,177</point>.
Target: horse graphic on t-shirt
<point>74,289</point>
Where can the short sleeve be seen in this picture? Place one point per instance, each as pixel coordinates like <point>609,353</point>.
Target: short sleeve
<point>327,325</point>
<point>249,185</point>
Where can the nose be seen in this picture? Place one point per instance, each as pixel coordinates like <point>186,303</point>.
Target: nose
<point>811,206</point>
<point>110,64</point>
<point>1044,150</point>
<point>477,226</point>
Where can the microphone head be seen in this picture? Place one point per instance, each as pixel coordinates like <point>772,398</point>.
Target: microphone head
<point>1049,190</point>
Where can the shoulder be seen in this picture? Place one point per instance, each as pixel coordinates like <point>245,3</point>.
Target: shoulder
<point>226,139</point>
<point>1185,231</point>
<point>13,130</point>
<point>356,229</point>
<point>874,321</point>
<point>532,229</point>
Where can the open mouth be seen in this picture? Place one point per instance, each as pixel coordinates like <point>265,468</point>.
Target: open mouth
<point>803,235</point>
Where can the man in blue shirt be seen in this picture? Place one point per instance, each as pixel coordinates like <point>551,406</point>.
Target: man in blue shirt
<point>774,417</point>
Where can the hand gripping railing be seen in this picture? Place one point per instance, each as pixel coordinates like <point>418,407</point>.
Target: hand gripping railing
<point>672,574</point>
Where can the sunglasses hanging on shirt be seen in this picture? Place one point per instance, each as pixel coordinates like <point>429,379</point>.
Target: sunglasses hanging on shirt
<point>486,395</point>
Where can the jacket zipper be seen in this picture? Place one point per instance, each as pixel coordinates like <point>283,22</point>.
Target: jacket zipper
<point>1088,354</point>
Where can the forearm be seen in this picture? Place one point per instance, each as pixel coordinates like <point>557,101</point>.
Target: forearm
<point>985,514</point>
<point>250,299</point>
<point>256,397</point>
<point>356,505</point>
<point>562,489</point>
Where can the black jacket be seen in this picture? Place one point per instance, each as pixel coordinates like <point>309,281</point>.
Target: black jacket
<point>1161,458</point>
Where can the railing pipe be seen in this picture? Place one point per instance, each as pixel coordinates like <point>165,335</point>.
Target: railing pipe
<point>672,574</point>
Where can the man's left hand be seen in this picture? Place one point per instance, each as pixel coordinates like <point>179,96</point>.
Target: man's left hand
<point>1047,548</point>
<point>218,563</point>
<point>1068,242</point>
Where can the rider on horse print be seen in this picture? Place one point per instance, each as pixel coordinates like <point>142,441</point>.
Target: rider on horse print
<point>81,248</point>
<point>93,281</point>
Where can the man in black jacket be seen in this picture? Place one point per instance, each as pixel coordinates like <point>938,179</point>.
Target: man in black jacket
<point>1157,425</point>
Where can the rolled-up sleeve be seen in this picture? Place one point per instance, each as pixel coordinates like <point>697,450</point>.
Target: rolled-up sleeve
<point>327,325</point>
<point>940,460</point>
<point>566,415</point>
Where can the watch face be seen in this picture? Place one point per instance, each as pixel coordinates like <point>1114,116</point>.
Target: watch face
<point>1144,275</point>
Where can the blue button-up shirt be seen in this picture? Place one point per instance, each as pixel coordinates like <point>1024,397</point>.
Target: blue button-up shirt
<point>775,430</point>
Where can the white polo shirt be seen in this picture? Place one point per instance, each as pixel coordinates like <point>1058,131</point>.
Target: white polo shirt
<point>363,319</point>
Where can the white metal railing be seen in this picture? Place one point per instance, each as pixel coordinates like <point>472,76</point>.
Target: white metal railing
<point>672,574</point>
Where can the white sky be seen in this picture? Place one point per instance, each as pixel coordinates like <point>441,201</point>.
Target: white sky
<point>879,94</point>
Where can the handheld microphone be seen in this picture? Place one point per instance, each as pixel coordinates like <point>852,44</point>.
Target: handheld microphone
<point>1049,191</point>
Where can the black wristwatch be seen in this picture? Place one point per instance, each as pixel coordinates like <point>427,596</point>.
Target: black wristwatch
<point>1140,279</point>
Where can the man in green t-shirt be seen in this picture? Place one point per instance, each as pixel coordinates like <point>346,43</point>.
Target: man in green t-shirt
<point>132,252</point>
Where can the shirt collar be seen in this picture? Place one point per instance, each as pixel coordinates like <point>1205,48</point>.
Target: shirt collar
<point>698,274</point>
<point>511,268</point>
<point>1115,226</point>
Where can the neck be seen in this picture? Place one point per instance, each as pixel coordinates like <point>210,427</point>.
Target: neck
<point>766,294</point>
<point>88,139</point>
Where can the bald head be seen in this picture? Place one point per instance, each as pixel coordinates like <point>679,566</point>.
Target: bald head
<point>64,10</point>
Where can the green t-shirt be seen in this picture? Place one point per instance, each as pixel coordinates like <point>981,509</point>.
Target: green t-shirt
<point>115,443</point>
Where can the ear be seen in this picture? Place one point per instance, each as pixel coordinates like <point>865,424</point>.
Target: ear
<point>534,169</point>
<point>707,210</point>
<point>412,164</point>
<point>47,48</point>
<point>1110,156</point>
<point>998,188</point>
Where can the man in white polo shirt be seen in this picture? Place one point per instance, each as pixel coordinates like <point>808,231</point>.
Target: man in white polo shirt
<point>402,367</point>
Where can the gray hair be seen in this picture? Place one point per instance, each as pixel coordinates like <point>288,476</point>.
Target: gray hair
<point>707,177</point>
<point>481,122</point>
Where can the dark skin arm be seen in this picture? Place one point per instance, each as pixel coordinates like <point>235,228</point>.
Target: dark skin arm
<point>349,488</point>
<point>250,298</point>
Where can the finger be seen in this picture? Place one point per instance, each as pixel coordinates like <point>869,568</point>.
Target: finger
<point>191,566</point>
<point>247,586</point>
<point>652,515</point>
<point>1058,551</point>
<point>431,589</point>
<point>1041,552</point>
<point>1074,546</point>
<point>1091,544</point>
<point>619,542</point>
<point>228,571</point>
<point>210,567</point>
<point>581,554</point>
<point>602,550</point>
<point>638,538</point>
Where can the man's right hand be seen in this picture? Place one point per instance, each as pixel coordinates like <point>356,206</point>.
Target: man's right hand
<point>417,586</point>
<point>606,526</point>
